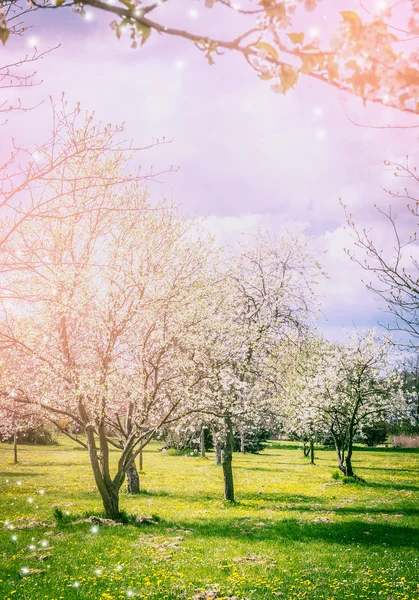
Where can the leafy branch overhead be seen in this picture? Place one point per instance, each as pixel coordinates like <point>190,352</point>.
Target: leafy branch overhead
<point>372,54</point>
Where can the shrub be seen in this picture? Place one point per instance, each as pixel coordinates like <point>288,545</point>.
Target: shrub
<point>186,440</point>
<point>254,440</point>
<point>374,434</point>
<point>40,435</point>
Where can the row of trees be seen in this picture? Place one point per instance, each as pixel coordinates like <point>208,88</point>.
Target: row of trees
<point>121,317</point>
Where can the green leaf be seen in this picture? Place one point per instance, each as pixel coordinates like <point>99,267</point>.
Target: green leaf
<point>59,2</point>
<point>350,15</point>
<point>267,48</point>
<point>121,27</point>
<point>289,77</point>
<point>354,21</point>
<point>278,11</point>
<point>4,34</point>
<point>358,81</point>
<point>296,38</point>
<point>332,71</point>
<point>311,63</point>
<point>144,31</point>
<point>352,64</point>
<point>264,76</point>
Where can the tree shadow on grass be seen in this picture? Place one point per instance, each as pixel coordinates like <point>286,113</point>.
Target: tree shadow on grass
<point>393,486</point>
<point>280,497</point>
<point>389,470</point>
<point>274,469</point>
<point>18,474</point>
<point>56,464</point>
<point>278,446</point>
<point>249,499</point>
<point>150,493</point>
<point>401,511</point>
<point>387,450</point>
<point>291,530</point>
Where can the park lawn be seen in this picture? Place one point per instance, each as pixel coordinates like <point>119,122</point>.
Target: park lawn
<point>295,532</point>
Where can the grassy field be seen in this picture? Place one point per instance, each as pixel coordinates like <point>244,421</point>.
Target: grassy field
<point>295,532</point>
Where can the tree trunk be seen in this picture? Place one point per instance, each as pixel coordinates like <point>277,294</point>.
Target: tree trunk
<point>110,502</point>
<point>311,452</point>
<point>15,461</point>
<point>348,461</point>
<point>133,480</point>
<point>217,449</point>
<point>226,461</point>
<point>345,462</point>
<point>108,490</point>
<point>140,459</point>
<point>348,467</point>
<point>242,444</point>
<point>202,442</point>
<point>340,452</point>
<point>306,449</point>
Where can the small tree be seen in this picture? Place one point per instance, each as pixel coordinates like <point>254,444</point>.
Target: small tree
<point>265,302</point>
<point>15,420</point>
<point>298,410</point>
<point>104,302</point>
<point>347,386</point>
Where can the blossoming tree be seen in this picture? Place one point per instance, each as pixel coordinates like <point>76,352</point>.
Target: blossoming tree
<point>15,420</point>
<point>266,302</point>
<point>105,294</point>
<point>345,386</point>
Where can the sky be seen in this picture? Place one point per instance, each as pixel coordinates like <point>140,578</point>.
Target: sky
<point>246,157</point>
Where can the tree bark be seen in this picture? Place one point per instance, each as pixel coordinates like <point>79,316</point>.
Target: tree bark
<point>227,460</point>
<point>217,448</point>
<point>133,480</point>
<point>306,449</point>
<point>311,452</point>
<point>140,458</point>
<point>345,462</point>
<point>242,443</point>
<point>108,490</point>
<point>15,461</point>
<point>340,452</point>
<point>202,442</point>
<point>111,504</point>
<point>348,461</point>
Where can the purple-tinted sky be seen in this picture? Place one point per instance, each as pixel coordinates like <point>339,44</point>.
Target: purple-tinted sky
<point>247,156</point>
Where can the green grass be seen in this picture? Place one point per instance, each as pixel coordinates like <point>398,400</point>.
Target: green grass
<point>295,532</point>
